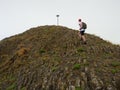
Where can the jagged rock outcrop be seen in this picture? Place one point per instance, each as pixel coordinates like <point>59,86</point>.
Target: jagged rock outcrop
<point>54,58</point>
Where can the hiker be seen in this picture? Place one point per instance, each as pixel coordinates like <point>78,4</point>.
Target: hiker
<point>83,26</point>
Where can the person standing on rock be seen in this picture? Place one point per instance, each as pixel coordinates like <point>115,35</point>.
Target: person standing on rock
<point>83,26</point>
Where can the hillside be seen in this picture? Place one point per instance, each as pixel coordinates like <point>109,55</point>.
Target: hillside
<point>54,58</point>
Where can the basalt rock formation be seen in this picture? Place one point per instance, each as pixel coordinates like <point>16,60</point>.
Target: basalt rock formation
<point>54,58</point>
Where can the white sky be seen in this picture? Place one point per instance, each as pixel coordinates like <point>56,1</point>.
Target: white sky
<point>101,16</point>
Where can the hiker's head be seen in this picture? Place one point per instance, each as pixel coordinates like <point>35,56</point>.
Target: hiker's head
<point>79,20</point>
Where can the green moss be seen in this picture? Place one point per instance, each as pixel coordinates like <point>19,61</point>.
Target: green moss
<point>77,66</point>
<point>11,78</point>
<point>78,88</point>
<point>42,51</point>
<point>114,71</point>
<point>54,69</point>
<point>115,64</point>
<point>11,87</point>
<point>80,50</point>
<point>23,88</point>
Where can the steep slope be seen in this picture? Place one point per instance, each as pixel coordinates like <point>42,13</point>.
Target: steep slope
<point>54,58</point>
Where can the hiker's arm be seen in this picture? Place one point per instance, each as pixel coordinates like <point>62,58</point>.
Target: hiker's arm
<point>80,26</point>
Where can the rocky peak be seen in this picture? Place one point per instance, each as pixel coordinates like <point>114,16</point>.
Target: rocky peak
<point>54,58</point>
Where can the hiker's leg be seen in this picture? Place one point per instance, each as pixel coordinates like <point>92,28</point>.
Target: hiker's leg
<point>83,38</point>
<point>79,34</point>
<point>82,35</point>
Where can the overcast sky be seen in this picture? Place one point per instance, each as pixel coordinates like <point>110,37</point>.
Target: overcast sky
<point>101,16</point>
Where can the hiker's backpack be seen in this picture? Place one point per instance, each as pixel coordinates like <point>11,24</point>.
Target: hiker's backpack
<point>84,25</point>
